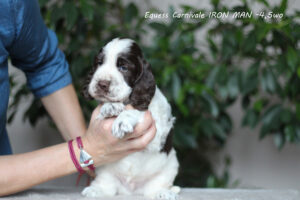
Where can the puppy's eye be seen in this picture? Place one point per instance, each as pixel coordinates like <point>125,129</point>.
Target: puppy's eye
<point>123,68</point>
<point>100,61</point>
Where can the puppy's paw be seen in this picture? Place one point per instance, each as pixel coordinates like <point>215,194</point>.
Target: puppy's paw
<point>121,127</point>
<point>92,192</point>
<point>166,195</point>
<point>126,122</point>
<point>110,110</point>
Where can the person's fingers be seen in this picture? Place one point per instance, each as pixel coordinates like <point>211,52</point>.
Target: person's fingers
<point>141,142</point>
<point>138,143</point>
<point>141,127</point>
<point>145,124</point>
<point>107,124</point>
<point>131,136</point>
<point>96,112</point>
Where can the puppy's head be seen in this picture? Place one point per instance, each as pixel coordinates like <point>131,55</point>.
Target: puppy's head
<point>121,74</point>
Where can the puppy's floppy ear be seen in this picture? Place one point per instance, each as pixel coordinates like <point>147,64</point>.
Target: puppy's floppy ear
<point>85,90</point>
<point>144,87</point>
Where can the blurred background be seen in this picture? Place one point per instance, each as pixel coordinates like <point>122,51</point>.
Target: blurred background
<point>234,84</point>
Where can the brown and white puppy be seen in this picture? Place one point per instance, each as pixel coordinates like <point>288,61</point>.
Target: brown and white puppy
<point>122,76</point>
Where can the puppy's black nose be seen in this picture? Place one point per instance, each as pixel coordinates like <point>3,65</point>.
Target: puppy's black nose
<point>104,85</point>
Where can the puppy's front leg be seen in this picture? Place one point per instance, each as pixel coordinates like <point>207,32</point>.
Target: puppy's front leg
<point>126,122</point>
<point>110,110</point>
<point>105,184</point>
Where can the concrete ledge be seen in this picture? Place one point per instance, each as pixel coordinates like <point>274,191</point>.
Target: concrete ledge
<point>186,194</point>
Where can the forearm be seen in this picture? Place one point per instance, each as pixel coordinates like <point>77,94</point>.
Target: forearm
<point>64,108</point>
<point>22,171</point>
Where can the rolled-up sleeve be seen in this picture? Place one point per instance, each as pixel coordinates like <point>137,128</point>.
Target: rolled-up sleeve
<point>35,51</point>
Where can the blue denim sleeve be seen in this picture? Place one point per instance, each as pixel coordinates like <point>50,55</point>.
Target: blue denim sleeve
<point>35,51</point>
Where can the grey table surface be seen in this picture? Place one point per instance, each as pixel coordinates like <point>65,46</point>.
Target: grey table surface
<point>55,193</point>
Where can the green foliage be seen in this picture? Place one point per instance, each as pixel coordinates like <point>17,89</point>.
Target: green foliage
<point>255,60</point>
<point>224,180</point>
<point>269,80</point>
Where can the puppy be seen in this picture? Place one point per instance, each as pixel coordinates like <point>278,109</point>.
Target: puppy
<point>122,76</point>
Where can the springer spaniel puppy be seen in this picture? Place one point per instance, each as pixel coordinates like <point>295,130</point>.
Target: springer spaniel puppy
<point>122,76</point>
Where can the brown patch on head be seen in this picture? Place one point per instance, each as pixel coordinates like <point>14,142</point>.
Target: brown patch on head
<point>138,76</point>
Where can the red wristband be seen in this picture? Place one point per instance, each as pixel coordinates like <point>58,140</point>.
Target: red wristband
<point>73,157</point>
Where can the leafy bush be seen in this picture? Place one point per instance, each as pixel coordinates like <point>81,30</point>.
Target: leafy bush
<point>199,85</point>
<point>269,82</point>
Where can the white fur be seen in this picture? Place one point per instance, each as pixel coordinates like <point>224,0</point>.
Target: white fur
<point>110,110</point>
<point>149,172</point>
<point>126,122</point>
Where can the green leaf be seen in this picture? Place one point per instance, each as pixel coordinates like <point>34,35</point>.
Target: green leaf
<point>298,111</point>
<point>87,9</point>
<point>228,45</point>
<point>289,133</point>
<point>262,32</point>
<point>214,110</point>
<point>298,72</point>
<point>245,102</point>
<point>215,3</point>
<point>211,182</point>
<point>70,14</point>
<point>232,85</point>
<point>218,130</point>
<point>271,81</point>
<point>166,74</point>
<point>292,58</point>
<point>43,2</point>
<point>283,6</point>
<point>297,134</point>
<point>223,91</point>
<point>187,60</point>
<point>249,80</point>
<point>131,12</point>
<point>264,130</point>
<point>272,114</point>
<point>270,120</point>
<point>225,122</point>
<point>249,43</point>
<point>213,47</point>
<point>279,140</point>
<point>286,116</point>
<point>268,81</point>
<point>56,14</point>
<point>264,2</point>
<point>250,118</point>
<point>176,86</point>
<point>212,77</point>
<point>183,137</point>
<point>159,27</point>
<point>259,105</point>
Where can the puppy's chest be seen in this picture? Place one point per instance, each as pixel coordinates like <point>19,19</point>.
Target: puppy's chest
<point>137,169</point>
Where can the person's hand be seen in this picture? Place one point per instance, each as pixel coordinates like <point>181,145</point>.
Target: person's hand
<point>106,148</point>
